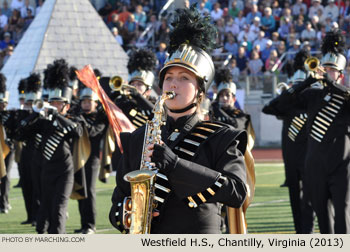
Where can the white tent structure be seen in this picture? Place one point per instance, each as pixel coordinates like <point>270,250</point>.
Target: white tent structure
<point>67,29</point>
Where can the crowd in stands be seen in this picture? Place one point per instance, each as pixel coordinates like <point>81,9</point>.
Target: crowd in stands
<point>253,34</point>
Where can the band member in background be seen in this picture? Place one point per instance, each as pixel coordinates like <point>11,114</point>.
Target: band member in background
<point>327,163</point>
<point>7,147</point>
<point>58,133</point>
<point>28,170</point>
<point>223,110</point>
<point>201,164</point>
<point>294,143</point>
<point>95,122</point>
<point>135,100</point>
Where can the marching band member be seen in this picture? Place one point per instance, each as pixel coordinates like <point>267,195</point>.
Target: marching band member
<point>201,165</point>
<point>7,149</point>
<point>95,122</point>
<point>327,162</point>
<point>58,133</point>
<point>294,143</point>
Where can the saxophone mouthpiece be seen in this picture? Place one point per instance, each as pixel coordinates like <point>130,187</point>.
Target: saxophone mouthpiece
<point>171,94</point>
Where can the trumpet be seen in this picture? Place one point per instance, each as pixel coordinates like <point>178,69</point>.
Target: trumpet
<point>312,64</point>
<point>117,83</point>
<point>282,86</point>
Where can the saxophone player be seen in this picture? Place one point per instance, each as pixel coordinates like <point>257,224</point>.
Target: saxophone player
<point>200,163</point>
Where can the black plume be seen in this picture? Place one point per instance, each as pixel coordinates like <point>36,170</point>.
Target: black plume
<point>299,60</point>
<point>33,83</point>
<point>58,74</point>
<point>222,75</point>
<point>192,28</point>
<point>46,75</point>
<point>142,59</point>
<point>97,73</point>
<point>22,85</point>
<point>2,83</point>
<point>72,74</point>
<point>334,42</point>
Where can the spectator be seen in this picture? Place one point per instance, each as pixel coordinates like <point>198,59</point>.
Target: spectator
<point>255,68</point>
<point>124,14</point>
<point>15,21</point>
<point>297,7</point>
<point>220,26</point>
<point>28,19</point>
<point>309,34</point>
<point>117,37</point>
<point>8,53</point>
<point>7,41</point>
<point>242,60</point>
<point>266,52</point>
<point>281,48</point>
<point>254,29</point>
<point>293,50</point>
<point>161,55</point>
<point>240,20</point>
<point>313,9</point>
<point>332,10</point>
<point>268,23</point>
<point>328,23</point>
<point>202,10</point>
<point>300,25</point>
<point>3,21</point>
<point>261,41</point>
<point>6,10</point>
<point>17,5</point>
<point>217,12</point>
<point>272,60</point>
<point>208,5</point>
<point>140,17</point>
<point>234,70</point>
<point>231,27</point>
<point>162,34</point>
<point>38,8</point>
<point>131,29</point>
<point>115,22</point>
<point>248,46</point>
<point>287,13</point>
<point>276,10</point>
<point>275,39</point>
<point>344,11</point>
<point>283,30</point>
<point>315,23</point>
<point>252,14</point>
<point>24,9</point>
<point>321,35</point>
<point>231,45</point>
<point>243,32</point>
<point>233,10</point>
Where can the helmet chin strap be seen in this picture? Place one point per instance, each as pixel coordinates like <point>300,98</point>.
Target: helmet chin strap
<point>192,105</point>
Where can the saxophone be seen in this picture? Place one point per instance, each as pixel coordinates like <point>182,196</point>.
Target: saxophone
<point>138,208</point>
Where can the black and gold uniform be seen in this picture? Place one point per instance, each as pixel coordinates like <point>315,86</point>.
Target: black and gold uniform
<point>294,144</point>
<point>327,162</point>
<point>201,165</point>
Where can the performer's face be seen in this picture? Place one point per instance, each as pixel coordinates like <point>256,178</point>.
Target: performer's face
<point>61,106</point>
<point>140,86</point>
<point>3,106</point>
<point>227,99</point>
<point>184,83</point>
<point>334,74</point>
<point>88,106</point>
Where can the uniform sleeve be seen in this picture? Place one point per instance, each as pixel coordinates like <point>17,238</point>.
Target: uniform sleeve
<point>224,181</point>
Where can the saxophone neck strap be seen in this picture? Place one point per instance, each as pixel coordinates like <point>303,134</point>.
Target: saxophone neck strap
<point>178,111</point>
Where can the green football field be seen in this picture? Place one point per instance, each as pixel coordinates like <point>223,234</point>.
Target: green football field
<point>269,212</point>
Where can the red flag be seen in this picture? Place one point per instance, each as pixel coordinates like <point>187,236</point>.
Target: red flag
<point>116,117</point>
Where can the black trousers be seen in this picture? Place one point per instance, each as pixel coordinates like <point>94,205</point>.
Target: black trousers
<point>328,180</point>
<point>57,184</point>
<point>294,161</point>
<point>87,207</point>
<point>5,181</point>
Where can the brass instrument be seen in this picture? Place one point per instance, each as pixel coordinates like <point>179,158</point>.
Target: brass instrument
<point>138,208</point>
<point>312,64</point>
<point>117,83</point>
<point>282,86</point>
